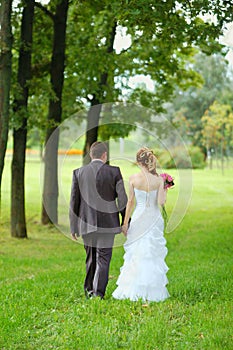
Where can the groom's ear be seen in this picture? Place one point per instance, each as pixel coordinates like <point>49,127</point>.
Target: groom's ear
<point>104,156</point>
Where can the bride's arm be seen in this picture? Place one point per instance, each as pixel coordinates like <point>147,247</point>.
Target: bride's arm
<point>129,208</point>
<point>162,193</point>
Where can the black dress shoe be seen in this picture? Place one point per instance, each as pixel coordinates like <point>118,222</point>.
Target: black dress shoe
<point>88,294</point>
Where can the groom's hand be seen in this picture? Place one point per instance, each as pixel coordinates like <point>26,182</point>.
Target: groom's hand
<point>73,236</point>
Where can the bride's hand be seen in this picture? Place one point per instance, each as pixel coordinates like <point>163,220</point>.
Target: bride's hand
<point>124,229</point>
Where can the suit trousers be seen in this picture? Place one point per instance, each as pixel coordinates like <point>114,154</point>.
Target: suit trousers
<point>98,248</point>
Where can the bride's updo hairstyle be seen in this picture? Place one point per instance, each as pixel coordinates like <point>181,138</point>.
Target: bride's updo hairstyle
<point>146,158</point>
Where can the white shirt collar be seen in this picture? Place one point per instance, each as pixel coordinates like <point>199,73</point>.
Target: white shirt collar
<point>93,160</point>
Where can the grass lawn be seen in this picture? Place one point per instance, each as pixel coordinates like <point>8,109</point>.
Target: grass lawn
<point>41,280</point>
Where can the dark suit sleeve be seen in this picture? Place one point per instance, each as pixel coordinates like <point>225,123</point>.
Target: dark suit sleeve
<point>74,204</point>
<point>121,195</point>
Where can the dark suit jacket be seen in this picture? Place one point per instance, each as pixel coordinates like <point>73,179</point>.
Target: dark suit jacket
<point>97,197</point>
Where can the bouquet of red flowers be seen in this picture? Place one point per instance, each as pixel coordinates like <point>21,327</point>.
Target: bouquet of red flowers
<point>168,182</point>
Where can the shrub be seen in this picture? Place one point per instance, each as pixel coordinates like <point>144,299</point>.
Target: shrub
<point>180,160</point>
<point>197,157</point>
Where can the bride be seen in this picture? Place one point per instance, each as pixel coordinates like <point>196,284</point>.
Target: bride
<point>143,274</point>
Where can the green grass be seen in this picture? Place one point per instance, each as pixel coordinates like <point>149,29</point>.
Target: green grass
<point>41,280</point>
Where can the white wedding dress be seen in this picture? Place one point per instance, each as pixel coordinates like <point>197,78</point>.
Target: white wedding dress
<point>143,274</point>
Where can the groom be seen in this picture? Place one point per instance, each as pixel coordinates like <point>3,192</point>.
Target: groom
<point>97,197</point>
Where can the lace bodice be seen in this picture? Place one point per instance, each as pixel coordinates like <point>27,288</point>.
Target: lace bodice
<point>146,212</point>
<point>144,198</point>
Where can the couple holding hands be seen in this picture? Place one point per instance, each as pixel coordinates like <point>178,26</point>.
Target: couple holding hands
<point>97,198</point>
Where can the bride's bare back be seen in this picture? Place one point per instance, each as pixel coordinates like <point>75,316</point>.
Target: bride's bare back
<point>146,181</point>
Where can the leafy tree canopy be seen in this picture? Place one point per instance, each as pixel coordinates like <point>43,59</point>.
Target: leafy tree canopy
<point>164,35</point>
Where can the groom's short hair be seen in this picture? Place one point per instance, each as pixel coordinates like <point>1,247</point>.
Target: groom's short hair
<point>98,149</point>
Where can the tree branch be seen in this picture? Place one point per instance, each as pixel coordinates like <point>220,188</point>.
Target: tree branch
<point>45,10</point>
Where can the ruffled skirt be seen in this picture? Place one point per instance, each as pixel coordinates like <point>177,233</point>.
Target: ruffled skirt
<point>143,274</point>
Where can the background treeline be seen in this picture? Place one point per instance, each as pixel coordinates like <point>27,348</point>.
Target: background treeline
<point>60,58</point>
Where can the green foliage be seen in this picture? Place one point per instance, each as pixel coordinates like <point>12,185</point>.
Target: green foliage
<point>164,38</point>
<point>34,139</point>
<point>218,127</point>
<point>178,159</point>
<point>42,300</point>
<point>114,130</point>
<point>189,106</point>
<point>197,157</point>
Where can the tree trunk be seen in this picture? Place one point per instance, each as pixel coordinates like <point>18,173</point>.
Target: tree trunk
<point>18,220</point>
<point>50,190</point>
<point>96,103</point>
<point>5,79</point>
<point>92,128</point>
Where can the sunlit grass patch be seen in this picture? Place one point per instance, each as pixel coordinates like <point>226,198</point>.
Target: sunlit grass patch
<point>41,281</point>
